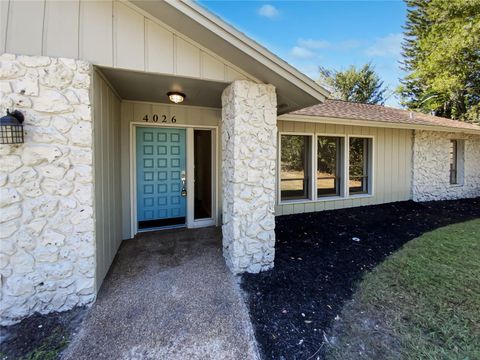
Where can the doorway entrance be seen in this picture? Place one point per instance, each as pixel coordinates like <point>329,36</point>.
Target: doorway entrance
<point>161,177</point>
<point>175,177</point>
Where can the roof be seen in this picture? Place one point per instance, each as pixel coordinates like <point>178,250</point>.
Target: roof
<point>339,109</point>
<point>295,90</point>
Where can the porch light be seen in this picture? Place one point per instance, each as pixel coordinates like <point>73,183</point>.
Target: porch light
<point>11,128</point>
<point>176,97</point>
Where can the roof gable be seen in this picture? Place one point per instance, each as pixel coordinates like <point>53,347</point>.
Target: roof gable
<point>294,89</point>
<point>170,37</point>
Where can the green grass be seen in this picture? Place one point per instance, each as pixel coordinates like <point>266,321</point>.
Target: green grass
<point>423,302</point>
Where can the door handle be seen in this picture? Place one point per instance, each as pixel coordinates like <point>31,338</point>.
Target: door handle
<point>183,192</point>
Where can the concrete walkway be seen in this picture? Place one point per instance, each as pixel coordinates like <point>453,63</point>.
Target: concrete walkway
<point>168,296</point>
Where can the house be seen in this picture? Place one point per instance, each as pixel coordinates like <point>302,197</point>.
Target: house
<point>144,115</point>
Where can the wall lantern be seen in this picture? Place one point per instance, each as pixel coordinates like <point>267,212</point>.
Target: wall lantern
<point>176,97</point>
<point>11,128</point>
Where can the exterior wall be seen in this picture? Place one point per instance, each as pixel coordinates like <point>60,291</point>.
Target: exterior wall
<point>431,172</point>
<point>107,162</point>
<point>134,112</point>
<point>108,33</point>
<point>249,149</point>
<point>47,250</point>
<point>392,172</point>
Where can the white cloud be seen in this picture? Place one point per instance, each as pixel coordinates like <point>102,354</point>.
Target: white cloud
<point>388,46</point>
<point>269,11</point>
<point>313,44</point>
<point>349,44</point>
<point>301,53</point>
<point>307,48</point>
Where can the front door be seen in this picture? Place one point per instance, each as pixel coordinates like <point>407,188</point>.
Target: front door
<point>160,177</point>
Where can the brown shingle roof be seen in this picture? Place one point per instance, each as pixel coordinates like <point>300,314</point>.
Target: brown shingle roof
<point>357,111</point>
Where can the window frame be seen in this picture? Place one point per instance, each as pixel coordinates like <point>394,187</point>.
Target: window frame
<point>344,193</point>
<point>310,195</point>
<point>341,166</point>
<point>459,162</point>
<point>370,166</point>
<point>453,159</point>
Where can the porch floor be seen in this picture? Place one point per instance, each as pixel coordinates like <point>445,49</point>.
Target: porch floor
<point>168,295</point>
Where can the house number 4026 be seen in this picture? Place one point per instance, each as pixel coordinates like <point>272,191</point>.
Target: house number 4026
<point>160,118</point>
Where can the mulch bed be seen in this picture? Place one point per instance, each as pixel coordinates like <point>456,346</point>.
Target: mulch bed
<point>40,336</point>
<point>318,261</point>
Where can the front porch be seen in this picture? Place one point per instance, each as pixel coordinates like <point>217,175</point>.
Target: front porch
<point>168,295</point>
<point>202,162</point>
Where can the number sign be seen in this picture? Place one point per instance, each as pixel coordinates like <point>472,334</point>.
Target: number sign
<point>160,118</point>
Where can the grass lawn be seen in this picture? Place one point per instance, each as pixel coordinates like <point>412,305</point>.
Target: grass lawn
<point>423,302</point>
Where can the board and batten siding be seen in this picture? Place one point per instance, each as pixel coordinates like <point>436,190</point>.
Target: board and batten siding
<point>107,163</point>
<point>191,116</point>
<point>392,173</point>
<point>107,33</point>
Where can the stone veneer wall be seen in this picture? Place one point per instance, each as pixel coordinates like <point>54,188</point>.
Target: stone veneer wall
<point>431,166</point>
<point>47,250</point>
<point>249,151</point>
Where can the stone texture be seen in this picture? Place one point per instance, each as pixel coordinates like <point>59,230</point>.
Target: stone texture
<point>52,101</point>
<point>47,243</point>
<point>249,150</point>
<point>431,166</point>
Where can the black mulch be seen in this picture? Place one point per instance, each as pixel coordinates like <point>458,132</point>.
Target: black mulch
<point>40,336</point>
<point>317,265</point>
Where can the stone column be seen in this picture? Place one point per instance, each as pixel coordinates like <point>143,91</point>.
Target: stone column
<point>249,150</point>
<point>47,238</point>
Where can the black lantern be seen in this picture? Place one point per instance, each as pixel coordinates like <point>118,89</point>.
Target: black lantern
<point>11,128</point>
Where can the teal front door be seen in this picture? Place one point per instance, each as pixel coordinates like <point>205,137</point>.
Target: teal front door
<point>160,163</point>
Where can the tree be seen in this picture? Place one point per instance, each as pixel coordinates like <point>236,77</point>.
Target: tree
<point>293,150</point>
<point>441,54</point>
<point>361,85</point>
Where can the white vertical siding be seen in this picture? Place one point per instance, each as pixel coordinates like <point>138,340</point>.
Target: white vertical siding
<point>108,33</point>
<point>392,165</point>
<point>25,27</point>
<point>60,29</point>
<point>107,163</point>
<point>159,48</point>
<point>4,5</point>
<point>96,32</point>
<point>129,34</point>
<point>212,68</point>
<point>187,58</point>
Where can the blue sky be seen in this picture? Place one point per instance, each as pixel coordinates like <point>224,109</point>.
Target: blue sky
<point>330,33</point>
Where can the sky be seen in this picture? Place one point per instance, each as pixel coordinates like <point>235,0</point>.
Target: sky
<point>330,33</point>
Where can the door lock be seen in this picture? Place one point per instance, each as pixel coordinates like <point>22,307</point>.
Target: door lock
<point>183,192</point>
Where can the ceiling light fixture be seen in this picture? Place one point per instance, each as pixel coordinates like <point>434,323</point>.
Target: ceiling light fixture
<point>176,97</point>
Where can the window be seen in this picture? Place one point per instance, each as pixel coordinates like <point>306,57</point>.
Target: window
<point>295,167</point>
<point>329,165</point>
<point>359,165</point>
<point>202,162</point>
<point>324,167</point>
<point>453,161</point>
<point>456,162</point>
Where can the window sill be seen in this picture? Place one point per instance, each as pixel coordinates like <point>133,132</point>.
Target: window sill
<point>319,200</point>
<point>292,202</point>
<point>456,185</point>
<point>359,196</point>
